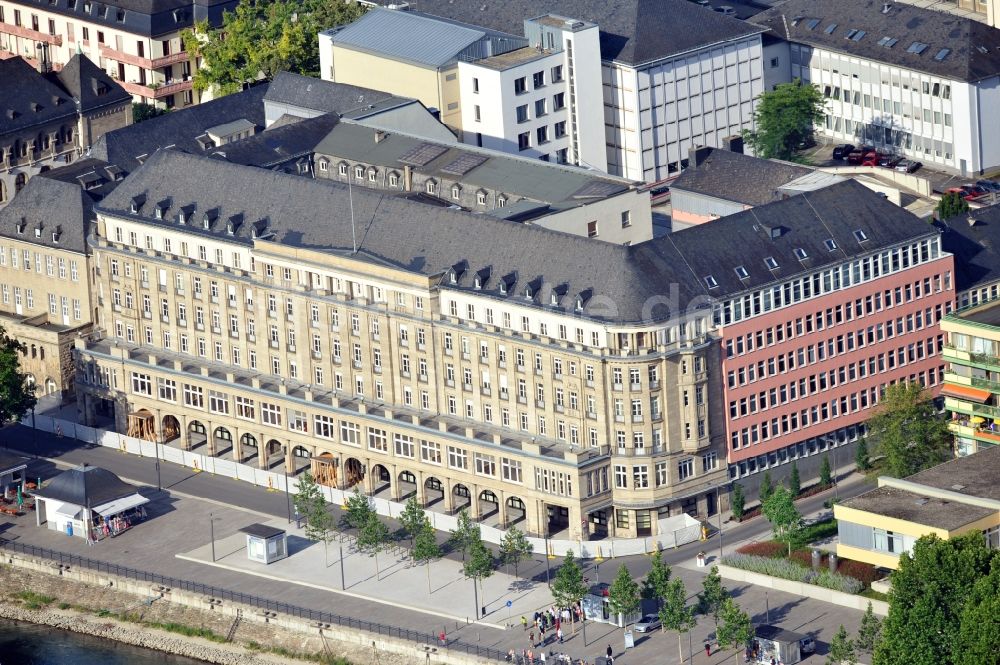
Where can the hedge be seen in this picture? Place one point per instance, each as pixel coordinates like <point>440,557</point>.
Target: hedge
<point>789,570</point>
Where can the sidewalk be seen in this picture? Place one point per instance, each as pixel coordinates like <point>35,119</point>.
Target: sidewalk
<point>441,591</point>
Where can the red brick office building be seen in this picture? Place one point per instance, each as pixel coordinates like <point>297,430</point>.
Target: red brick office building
<point>822,300</point>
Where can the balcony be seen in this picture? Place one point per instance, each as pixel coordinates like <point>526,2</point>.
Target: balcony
<point>28,33</point>
<point>984,431</point>
<point>158,92</point>
<point>139,61</point>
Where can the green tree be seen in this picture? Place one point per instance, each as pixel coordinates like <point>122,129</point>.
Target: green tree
<point>861,457</point>
<point>907,431</point>
<point>515,547</point>
<point>676,615</point>
<point>734,629</point>
<point>17,393</point>
<point>568,588</point>
<point>425,548</point>
<point>931,591</point>
<point>142,112</point>
<point>979,625</point>
<point>359,509</point>
<point>737,502</point>
<point>657,579</point>
<point>260,38</point>
<point>794,481</point>
<point>373,536</point>
<point>825,473</point>
<point>623,596</point>
<point>780,511</point>
<point>480,563</point>
<point>841,649</point>
<point>784,117</point>
<point>310,504</point>
<point>950,205</point>
<point>869,632</point>
<point>766,487</point>
<point>713,595</point>
<point>466,532</point>
<point>412,518</point>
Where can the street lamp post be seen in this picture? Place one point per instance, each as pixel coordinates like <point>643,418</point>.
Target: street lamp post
<point>156,445</point>
<point>211,528</point>
<point>718,511</point>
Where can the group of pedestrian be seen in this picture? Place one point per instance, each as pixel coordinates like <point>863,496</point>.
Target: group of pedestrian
<point>545,621</point>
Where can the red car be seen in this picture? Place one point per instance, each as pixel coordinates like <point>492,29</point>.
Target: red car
<point>871,159</point>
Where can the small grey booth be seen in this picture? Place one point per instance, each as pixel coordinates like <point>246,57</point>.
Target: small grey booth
<point>265,544</point>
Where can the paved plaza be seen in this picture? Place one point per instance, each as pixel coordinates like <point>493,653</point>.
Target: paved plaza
<point>194,507</point>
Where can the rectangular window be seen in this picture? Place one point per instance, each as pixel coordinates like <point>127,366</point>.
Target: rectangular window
<point>270,414</point>
<point>457,458</point>
<point>218,402</point>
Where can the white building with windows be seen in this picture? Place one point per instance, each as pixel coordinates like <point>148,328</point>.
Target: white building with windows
<point>905,79</point>
<point>671,75</point>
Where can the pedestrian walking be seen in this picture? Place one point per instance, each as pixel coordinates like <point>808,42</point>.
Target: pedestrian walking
<point>609,652</point>
<point>531,638</point>
<point>559,635</point>
<point>708,649</point>
<point>541,657</point>
<point>443,639</point>
<point>524,622</point>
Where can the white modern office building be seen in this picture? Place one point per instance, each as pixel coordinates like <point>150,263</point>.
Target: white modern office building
<point>671,75</point>
<point>905,79</point>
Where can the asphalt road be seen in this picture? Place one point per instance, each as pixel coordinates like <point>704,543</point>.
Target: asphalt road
<point>240,494</point>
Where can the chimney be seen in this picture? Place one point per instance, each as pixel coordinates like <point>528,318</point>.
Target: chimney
<point>697,156</point>
<point>407,177</point>
<point>733,143</point>
<point>380,135</point>
<point>972,220</point>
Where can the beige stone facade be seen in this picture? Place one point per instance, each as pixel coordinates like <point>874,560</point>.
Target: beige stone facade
<point>44,304</point>
<point>373,374</point>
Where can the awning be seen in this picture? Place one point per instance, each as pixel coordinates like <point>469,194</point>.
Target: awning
<point>965,392</point>
<point>68,510</point>
<point>120,505</point>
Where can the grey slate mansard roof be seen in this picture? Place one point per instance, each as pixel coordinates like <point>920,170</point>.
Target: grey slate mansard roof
<point>285,140</point>
<point>90,84</point>
<point>806,222</point>
<point>146,17</point>
<point>123,146</point>
<point>631,31</point>
<point>974,47</point>
<point>325,96</point>
<point>617,283</point>
<point>86,486</point>
<point>406,234</point>
<point>52,205</point>
<point>27,98</point>
<point>738,177</point>
<point>976,248</point>
<point>560,186</point>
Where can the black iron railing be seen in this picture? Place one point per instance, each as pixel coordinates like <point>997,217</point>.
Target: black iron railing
<point>266,604</point>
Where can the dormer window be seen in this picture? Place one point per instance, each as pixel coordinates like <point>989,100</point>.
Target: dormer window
<point>742,273</point>
<point>503,287</point>
<point>137,202</point>
<point>230,227</point>
<point>393,180</point>
<point>830,244</point>
<point>19,227</point>
<point>711,282</point>
<point>56,234</point>
<point>159,212</point>
<point>343,169</point>
<point>501,201</point>
<point>87,7</point>
<point>359,172</point>
<point>801,254</point>
<point>860,235</point>
<point>554,299</point>
<point>579,304</point>
<point>372,175</point>
<point>477,283</point>
<point>527,292</point>
<point>430,187</point>
<point>771,263</point>
<point>38,232</point>
<point>324,165</point>
<point>456,192</point>
<point>481,198</point>
<point>452,277</point>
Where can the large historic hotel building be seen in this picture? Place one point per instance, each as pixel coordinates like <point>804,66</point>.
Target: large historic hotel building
<point>570,385</point>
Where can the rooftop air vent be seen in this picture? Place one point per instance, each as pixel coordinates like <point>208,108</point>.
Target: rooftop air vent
<point>957,487</point>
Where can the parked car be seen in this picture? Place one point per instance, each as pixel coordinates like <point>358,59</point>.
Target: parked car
<point>967,192</point>
<point>870,159</point>
<point>889,161</point>
<point>807,645</point>
<point>857,155</point>
<point>647,624</point>
<point>842,151</point>
<point>908,166</point>
<point>989,185</point>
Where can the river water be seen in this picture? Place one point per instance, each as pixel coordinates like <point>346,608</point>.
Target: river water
<point>28,644</point>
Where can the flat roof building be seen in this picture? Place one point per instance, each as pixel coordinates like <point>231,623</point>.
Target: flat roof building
<point>949,500</point>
